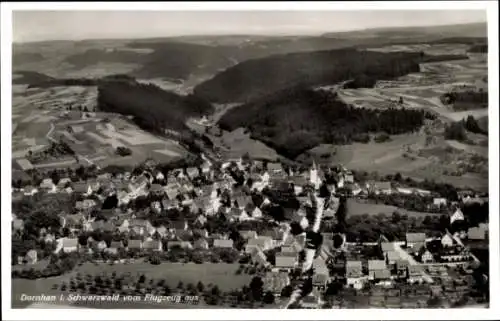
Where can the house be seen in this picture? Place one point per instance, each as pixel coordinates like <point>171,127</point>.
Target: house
<point>377,269</point>
<point>285,261</point>
<point>415,240</point>
<point>48,186</point>
<point>180,244</point>
<point>402,268</point>
<point>201,244</point>
<point>153,245</point>
<point>18,224</point>
<point>380,188</point>
<point>310,302</point>
<point>31,257</point>
<point>274,282</point>
<point>262,242</point>
<point>178,225</point>
<point>447,240</point>
<point>228,244</point>
<point>391,257</point>
<point>439,201</point>
<point>192,172</point>
<point>69,245</point>
<point>476,233</point>
<point>30,190</point>
<point>426,256</point>
<point>274,168</point>
<point>354,274</point>
<point>248,235</point>
<point>134,245</point>
<point>156,189</point>
<point>258,256</point>
<point>457,216</point>
<point>405,191</point>
<point>81,188</point>
<point>63,182</point>
<point>415,274</point>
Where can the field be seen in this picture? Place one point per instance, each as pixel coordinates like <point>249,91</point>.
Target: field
<point>357,208</point>
<point>40,116</point>
<point>236,143</point>
<point>223,275</point>
<point>411,154</point>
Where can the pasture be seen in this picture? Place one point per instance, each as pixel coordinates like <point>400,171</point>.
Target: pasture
<point>236,143</point>
<point>220,274</point>
<point>355,208</point>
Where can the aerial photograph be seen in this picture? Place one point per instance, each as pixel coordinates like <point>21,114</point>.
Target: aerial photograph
<point>250,160</point>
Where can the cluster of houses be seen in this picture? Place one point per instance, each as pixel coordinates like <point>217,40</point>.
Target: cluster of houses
<point>177,190</point>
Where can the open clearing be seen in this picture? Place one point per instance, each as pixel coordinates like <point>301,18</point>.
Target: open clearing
<point>236,143</point>
<point>355,207</point>
<point>221,274</point>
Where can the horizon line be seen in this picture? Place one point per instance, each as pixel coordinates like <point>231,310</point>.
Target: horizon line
<point>275,34</point>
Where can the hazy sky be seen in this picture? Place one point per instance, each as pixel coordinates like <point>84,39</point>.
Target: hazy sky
<point>77,25</point>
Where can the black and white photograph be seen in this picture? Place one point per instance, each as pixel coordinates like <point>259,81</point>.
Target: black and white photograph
<point>199,158</point>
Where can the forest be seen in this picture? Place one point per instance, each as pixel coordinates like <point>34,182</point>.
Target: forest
<point>152,107</point>
<point>258,77</point>
<point>297,119</point>
<point>466,100</point>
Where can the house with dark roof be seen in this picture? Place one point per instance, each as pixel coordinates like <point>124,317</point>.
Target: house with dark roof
<point>156,189</point>
<point>275,168</point>
<point>401,267</point>
<point>201,244</point>
<point>180,244</point>
<point>30,190</point>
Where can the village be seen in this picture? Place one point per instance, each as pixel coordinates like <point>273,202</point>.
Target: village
<point>256,213</point>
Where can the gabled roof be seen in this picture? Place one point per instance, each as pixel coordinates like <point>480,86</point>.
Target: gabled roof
<point>285,261</point>
<point>134,244</point>
<point>274,167</point>
<point>376,265</point>
<point>67,242</point>
<point>152,244</point>
<point>415,237</point>
<point>116,244</point>
<point>223,243</point>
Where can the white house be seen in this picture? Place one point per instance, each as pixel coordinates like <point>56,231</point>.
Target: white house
<point>447,240</point>
<point>457,216</point>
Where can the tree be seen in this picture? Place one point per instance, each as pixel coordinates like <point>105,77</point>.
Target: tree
<point>268,298</point>
<point>256,286</point>
<point>180,285</point>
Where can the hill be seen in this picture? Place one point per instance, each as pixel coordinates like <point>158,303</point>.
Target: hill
<point>296,119</point>
<point>425,32</point>
<point>152,108</point>
<point>255,78</point>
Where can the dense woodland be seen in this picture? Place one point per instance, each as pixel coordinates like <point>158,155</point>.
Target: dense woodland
<point>153,108</point>
<point>466,100</point>
<point>479,48</point>
<point>295,120</point>
<point>256,78</point>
